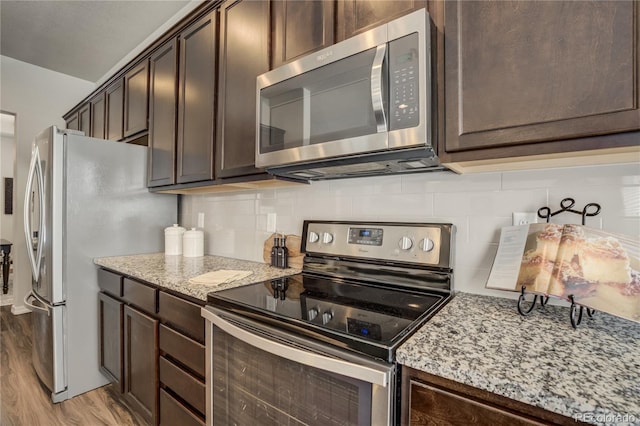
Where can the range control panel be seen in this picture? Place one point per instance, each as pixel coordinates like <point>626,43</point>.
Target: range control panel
<point>424,243</point>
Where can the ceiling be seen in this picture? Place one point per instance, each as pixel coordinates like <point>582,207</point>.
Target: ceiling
<point>81,38</point>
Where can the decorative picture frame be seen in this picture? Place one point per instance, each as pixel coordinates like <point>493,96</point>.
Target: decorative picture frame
<point>8,195</point>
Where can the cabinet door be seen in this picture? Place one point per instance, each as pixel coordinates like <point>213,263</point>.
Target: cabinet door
<point>196,100</point>
<point>141,363</point>
<point>84,119</point>
<point>136,93</point>
<point>434,406</point>
<point>97,116</point>
<point>72,122</point>
<point>509,81</point>
<point>431,400</point>
<point>115,114</point>
<point>163,98</point>
<point>110,312</point>
<point>300,27</point>
<point>356,16</point>
<point>244,54</point>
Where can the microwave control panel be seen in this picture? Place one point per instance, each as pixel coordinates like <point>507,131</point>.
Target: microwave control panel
<point>403,83</point>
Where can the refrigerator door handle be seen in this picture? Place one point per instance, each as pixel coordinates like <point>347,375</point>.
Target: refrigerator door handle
<point>31,295</point>
<point>35,171</point>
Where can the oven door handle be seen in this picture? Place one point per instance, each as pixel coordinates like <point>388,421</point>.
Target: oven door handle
<point>333,365</point>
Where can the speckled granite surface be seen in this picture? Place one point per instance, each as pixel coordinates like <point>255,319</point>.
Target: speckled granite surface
<point>592,373</point>
<point>174,272</point>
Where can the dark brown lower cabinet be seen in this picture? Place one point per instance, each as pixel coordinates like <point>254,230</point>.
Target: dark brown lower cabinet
<point>182,361</point>
<point>152,349</point>
<point>110,312</point>
<point>141,362</point>
<point>432,400</point>
<point>173,413</point>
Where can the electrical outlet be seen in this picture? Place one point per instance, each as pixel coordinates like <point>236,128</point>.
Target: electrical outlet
<point>524,218</point>
<point>201,220</point>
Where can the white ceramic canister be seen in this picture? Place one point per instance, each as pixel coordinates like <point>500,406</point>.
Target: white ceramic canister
<point>193,243</point>
<point>173,240</point>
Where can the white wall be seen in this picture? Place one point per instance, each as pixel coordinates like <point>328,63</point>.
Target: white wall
<point>478,204</point>
<point>38,97</point>
<point>7,156</point>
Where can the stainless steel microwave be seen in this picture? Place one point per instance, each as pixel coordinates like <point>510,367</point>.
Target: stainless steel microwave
<point>359,107</point>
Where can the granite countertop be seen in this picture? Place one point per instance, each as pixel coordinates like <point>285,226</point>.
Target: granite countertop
<point>591,373</point>
<point>174,272</point>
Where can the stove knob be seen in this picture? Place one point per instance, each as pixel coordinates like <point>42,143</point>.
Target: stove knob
<point>405,243</point>
<point>426,244</point>
<point>312,314</point>
<point>327,238</point>
<point>313,237</point>
<point>326,317</point>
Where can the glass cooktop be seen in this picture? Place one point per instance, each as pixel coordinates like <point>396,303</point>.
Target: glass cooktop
<point>373,319</point>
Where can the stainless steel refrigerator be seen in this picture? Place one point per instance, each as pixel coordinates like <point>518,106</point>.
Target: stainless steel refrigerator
<point>85,198</point>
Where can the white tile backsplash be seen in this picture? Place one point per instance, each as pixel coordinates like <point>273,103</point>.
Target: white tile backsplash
<point>572,177</point>
<point>477,204</point>
<point>450,182</point>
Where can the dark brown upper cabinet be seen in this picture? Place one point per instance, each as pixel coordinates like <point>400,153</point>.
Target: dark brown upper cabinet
<point>357,16</point>
<point>80,118</point>
<point>163,100</point>
<point>97,104</point>
<point>72,121</point>
<point>529,77</point>
<point>300,27</point>
<point>136,95</point>
<point>244,54</point>
<point>196,100</point>
<point>115,111</point>
<point>84,119</point>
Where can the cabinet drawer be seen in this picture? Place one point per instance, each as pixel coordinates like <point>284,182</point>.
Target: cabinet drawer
<point>173,413</point>
<point>183,349</point>
<point>183,315</point>
<point>110,283</point>
<point>183,384</point>
<point>140,295</point>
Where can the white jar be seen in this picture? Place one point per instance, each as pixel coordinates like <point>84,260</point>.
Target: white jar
<point>173,240</point>
<point>193,243</point>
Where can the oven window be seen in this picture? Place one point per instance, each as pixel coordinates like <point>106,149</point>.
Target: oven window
<point>254,387</point>
<point>327,104</point>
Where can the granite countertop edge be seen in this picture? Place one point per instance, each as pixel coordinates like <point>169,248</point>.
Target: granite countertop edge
<point>174,272</point>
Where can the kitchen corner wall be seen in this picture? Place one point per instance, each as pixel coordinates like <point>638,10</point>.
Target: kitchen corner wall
<point>477,204</point>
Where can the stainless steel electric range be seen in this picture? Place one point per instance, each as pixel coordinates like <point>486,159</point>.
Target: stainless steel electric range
<point>319,347</point>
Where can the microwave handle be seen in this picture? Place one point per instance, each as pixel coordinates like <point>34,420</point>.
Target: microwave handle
<point>376,88</point>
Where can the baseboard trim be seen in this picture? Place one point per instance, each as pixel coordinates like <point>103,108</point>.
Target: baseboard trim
<point>19,310</point>
<point>5,301</point>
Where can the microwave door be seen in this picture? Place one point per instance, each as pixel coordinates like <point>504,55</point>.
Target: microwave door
<point>331,111</point>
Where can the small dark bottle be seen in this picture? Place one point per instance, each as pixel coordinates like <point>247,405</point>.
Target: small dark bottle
<point>283,254</point>
<point>274,252</point>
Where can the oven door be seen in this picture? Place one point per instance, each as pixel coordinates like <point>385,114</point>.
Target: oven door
<point>259,375</point>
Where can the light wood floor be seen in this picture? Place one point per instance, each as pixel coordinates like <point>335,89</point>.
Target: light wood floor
<point>24,401</point>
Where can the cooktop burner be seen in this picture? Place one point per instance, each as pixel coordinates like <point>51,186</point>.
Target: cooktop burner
<point>365,286</point>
